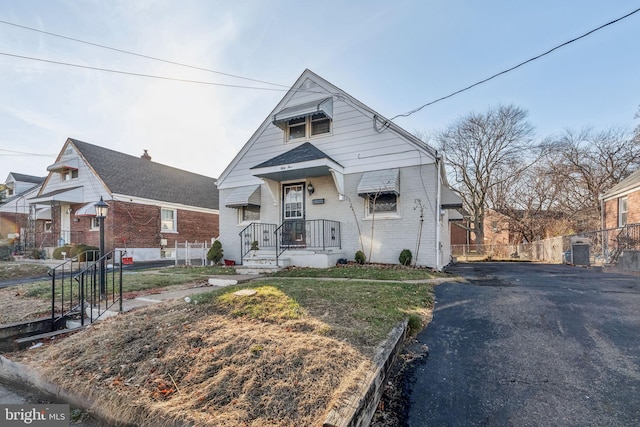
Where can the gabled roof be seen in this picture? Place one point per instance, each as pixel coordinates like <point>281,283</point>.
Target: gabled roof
<point>301,153</point>
<point>20,177</point>
<point>133,176</point>
<point>632,182</point>
<point>284,110</point>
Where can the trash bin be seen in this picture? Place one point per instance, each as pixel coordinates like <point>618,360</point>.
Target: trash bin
<point>580,251</point>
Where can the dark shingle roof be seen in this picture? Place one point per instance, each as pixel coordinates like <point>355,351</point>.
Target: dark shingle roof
<point>302,153</point>
<point>28,178</point>
<point>134,176</point>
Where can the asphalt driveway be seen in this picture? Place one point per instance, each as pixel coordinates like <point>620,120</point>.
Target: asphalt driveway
<point>523,344</point>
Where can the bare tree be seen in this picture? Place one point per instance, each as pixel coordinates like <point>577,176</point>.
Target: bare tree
<point>486,151</point>
<point>587,163</point>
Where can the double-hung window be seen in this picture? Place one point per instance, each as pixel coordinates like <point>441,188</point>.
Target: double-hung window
<point>168,220</point>
<point>623,209</point>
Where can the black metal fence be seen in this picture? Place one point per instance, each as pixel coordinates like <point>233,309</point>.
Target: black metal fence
<point>85,290</point>
<point>317,234</point>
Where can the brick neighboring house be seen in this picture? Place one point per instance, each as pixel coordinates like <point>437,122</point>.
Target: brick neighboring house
<point>14,207</point>
<point>621,204</point>
<point>151,206</point>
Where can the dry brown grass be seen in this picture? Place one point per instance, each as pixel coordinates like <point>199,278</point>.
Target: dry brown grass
<point>17,306</point>
<point>208,364</point>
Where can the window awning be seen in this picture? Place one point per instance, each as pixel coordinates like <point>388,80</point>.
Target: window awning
<point>380,182</point>
<point>87,210</point>
<point>324,106</point>
<point>72,163</point>
<point>244,196</point>
<point>43,213</point>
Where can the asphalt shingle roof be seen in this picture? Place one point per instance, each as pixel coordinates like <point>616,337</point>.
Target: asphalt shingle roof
<point>28,178</point>
<point>134,176</point>
<point>302,153</point>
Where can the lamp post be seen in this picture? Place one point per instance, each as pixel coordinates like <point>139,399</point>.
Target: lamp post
<point>101,213</point>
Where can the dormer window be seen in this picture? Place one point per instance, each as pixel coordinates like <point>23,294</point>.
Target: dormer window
<point>306,127</point>
<point>69,174</point>
<point>306,120</point>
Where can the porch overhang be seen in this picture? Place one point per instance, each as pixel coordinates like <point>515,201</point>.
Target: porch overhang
<point>301,170</point>
<point>66,195</point>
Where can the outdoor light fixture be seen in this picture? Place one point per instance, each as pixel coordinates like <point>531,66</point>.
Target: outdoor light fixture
<point>310,189</point>
<point>101,213</point>
<point>101,209</point>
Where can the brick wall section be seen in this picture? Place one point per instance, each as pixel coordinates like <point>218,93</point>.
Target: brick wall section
<point>11,223</point>
<point>633,210</point>
<point>138,226</point>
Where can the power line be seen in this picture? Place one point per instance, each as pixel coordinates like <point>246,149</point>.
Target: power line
<point>139,54</point>
<point>415,110</point>
<point>22,153</point>
<point>31,58</point>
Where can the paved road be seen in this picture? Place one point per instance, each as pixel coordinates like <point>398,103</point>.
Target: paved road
<point>530,345</point>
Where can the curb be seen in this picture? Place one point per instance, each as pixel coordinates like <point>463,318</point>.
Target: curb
<point>27,378</point>
<point>359,408</point>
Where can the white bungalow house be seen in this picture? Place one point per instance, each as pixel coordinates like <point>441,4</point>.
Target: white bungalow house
<point>325,176</point>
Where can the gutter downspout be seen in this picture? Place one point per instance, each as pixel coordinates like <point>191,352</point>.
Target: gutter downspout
<point>438,212</point>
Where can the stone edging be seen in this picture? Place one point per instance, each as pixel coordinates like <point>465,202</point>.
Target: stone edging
<point>359,408</point>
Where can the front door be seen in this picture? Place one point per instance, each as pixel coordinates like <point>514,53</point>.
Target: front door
<point>293,230</point>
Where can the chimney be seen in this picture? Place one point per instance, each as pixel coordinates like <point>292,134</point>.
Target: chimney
<point>145,155</point>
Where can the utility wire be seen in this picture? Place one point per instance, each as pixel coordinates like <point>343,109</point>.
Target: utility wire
<point>415,110</point>
<point>139,54</point>
<point>139,74</point>
<point>22,153</point>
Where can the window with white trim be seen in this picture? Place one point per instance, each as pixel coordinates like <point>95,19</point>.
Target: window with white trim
<point>95,223</point>
<point>385,204</point>
<point>623,209</point>
<point>69,174</point>
<point>249,213</point>
<point>48,226</point>
<point>308,126</point>
<point>168,220</point>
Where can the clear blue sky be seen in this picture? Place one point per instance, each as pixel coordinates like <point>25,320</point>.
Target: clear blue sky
<point>392,55</point>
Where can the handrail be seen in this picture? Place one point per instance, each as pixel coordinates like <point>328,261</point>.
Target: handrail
<point>259,232</point>
<point>318,234</point>
<point>65,271</point>
<point>95,288</point>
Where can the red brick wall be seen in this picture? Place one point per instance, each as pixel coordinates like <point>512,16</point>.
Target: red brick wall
<point>11,223</point>
<point>633,210</point>
<point>458,234</point>
<point>135,225</point>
